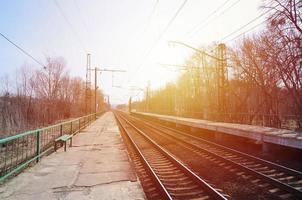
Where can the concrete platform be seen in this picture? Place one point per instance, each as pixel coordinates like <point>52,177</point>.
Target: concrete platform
<point>96,167</point>
<point>264,134</point>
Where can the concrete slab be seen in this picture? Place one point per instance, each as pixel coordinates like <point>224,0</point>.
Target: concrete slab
<point>264,134</point>
<point>96,167</point>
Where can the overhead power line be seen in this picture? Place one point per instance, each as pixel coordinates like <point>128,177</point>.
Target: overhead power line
<point>151,15</point>
<point>166,27</point>
<point>22,50</point>
<point>70,26</point>
<point>228,8</point>
<point>81,16</point>
<point>196,28</point>
<point>146,26</point>
<point>245,25</point>
<point>171,21</point>
<point>221,13</point>
<point>248,30</point>
<point>161,35</point>
<point>242,27</point>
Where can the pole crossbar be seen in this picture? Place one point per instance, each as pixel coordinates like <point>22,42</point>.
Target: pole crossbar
<point>95,81</point>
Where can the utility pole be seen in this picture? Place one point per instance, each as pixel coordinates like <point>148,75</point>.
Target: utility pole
<point>95,87</point>
<point>108,101</point>
<point>222,76</point>
<point>129,104</point>
<point>147,97</point>
<point>131,97</point>
<point>221,71</point>
<point>88,85</point>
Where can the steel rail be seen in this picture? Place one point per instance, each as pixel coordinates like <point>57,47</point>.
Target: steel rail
<point>155,178</point>
<point>272,164</point>
<point>278,166</point>
<point>269,179</point>
<point>208,188</point>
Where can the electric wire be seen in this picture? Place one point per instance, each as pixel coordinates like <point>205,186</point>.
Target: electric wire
<point>160,37</point>
<point>76,35</point>
<point>196,27</point>
<point>228,8</point>
<point>81,16</point>
<point>140,33</point>
<point>166,28</point>
<point>22,50</point>
<point>150,16</point>
<point>248,30</point>
<point>245,25</point>
<point>222,13</point>
<point>242,27</point>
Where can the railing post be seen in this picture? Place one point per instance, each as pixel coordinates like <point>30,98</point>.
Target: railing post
<point>71,128</point>
<point>61,129</point>
<point>38,146</point>
<point>79,124</point>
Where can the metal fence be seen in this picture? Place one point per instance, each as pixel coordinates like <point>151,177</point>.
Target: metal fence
<point>18,151</point>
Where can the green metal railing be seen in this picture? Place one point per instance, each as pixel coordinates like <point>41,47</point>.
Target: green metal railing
<point>18,151</point>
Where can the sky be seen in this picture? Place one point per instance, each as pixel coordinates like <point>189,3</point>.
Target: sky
<point>131,35</point>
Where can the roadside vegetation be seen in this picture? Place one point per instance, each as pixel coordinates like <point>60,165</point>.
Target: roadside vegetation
<point>35,97</point>
<point>263,82</point>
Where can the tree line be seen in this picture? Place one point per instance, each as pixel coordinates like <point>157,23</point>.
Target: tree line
<point>263,83</point>
<point>39,97</point>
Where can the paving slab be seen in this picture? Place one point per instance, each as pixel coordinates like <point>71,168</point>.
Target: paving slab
<point>97,166</point>
<point>277,136</point>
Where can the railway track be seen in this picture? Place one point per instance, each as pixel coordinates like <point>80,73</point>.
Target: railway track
<point>282,181</point>
<point>164,175</point>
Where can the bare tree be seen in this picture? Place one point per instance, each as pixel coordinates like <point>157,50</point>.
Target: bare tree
<point>47,83</point>
<point>284,44</point>
<point>41,97</point>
